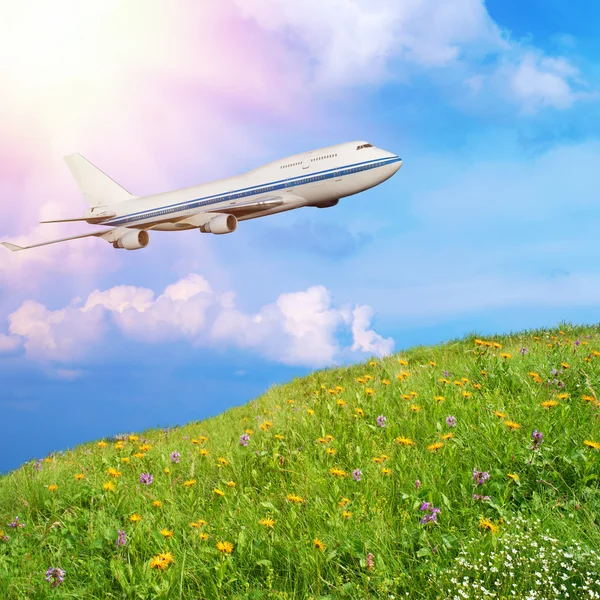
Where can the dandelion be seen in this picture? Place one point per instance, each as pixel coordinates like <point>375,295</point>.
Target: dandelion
<point>146,478</point>
<point>166,533</point>
<point>189,483</point>
<point>451,421</point>
<point>357,474</point>
<point>225,547</point>
<point>55,576</point>
<point>175,457</point>
<point>134,518</point>
<point>121,538</point>
<point>267,522</point>
<point>489,525</point>
<point>480,477</point>
<point>319,545</point>
<point>591,444</point>
<point>381,421</point>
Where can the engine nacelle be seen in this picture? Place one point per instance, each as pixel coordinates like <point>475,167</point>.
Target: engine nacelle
<point>134,240</point>
<point>326,204</point>
<point>219,225</point>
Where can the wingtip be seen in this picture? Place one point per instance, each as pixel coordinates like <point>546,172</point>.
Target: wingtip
<point>12,247</point>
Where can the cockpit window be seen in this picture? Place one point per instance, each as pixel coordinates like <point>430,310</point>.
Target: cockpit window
<point>364,146</point>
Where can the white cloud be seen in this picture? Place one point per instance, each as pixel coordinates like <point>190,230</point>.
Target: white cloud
<point>299,328</point>
<point>9,343</point>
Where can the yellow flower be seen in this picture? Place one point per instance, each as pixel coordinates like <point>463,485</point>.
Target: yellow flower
<point>102,444</point>
<point>166,533</point>
<point>385,382</point>
<point>338,472</point>
<point>133,438</point>
<point>225,547</point>
<point>145,447</point>
<point>204,452</point>
<point>432,363</point>
<point>134,518</point>
<point>249,431</point>
<point>443,380</point>
<point>278,436</point>
<point>500,415</point>
<point>189,483</point>
<point>385,457</point>
<point>414,394</point>
<point>484,373</point>
<point>219,492</point>
<point>119,445</point>
<point>434,447</point>
<point>512,476</point>
<point>109,486</point>
<point>331,451</point>
<point>477,386</point>
<point>347,514</point>
<point>112,471</point>
<point>438,398</point>
<point>562,396</point>
<point>591,444</point>
<point>405,441</point>
<point>403,362</point>
<point>458,382</point>
<point>415,408</point>
<point>506,355</point>
<point>158,563</point>
<point>587,398</point>
<point>448,436</point>
<point>157,503</point>
<point>139,455</point>
<point>310,411</point>
<point>549,403</point>
<point>385,471</point>
<point>322,440</point>
<point>167,470</point>
<point>359,412</point>
<point>329,437</point>
<point>487,524</point>
<point>223,461</point>
<point>78,476</point>
<point>497,345</point>
<point>343,502</point>
<point>203,438</point>
<point>512,425</point>
<point>341,402</point>
<point>466,394</point>
<point>372,364</point>
<point>231,484</point>
<point>369,392</point>
<point>295,499</point>
<point>564,365</point>
<point>406,397</point>
<point>268,522</point>
<point>167,557</point>
<point>52,488</point>
<point>360,380</point>
<point>319,545</point>
<point>203,535</point>
<point>377,459</point>
<point>125,459</point>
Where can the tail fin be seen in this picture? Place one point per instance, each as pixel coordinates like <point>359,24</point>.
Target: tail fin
<point>97,187</point>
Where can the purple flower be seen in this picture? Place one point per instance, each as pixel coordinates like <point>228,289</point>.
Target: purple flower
<point>381,420</point>
<point>55,576</point>
<point>16,523</point>
<point>121,538</point>
<point>426,506</point>
<point>554,372</point>
<point>357,474</point>
<point>479,497</point>
<point>451,421</point>
<point>480,477</point>
<point>538,438</point>
<point>370,561</point>
<point>577,342</point>
<point>523,351</point>
<point>417,484</point>
<point>146,478</point>
<point>244,439</point>
<point>38,465</point>
<point>431,516</point>
<point>175,456</point>
<point>446,373</point>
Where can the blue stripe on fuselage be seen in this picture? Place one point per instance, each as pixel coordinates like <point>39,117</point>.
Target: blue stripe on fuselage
<point>249,191</point>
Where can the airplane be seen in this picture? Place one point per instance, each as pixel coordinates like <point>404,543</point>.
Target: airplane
<point>318,178</point>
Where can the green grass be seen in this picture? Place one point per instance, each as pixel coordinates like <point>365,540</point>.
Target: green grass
<point>542,529</point>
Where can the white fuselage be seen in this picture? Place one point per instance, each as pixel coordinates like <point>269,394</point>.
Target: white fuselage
<point>313,178</point>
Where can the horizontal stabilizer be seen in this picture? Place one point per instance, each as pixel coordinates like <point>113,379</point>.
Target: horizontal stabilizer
<point>104,234</point>
<point>96,219</point>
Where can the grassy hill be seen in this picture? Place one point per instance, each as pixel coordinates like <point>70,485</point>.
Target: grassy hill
<point>465,470</point>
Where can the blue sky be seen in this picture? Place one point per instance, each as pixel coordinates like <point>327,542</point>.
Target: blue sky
<point>490,226</point>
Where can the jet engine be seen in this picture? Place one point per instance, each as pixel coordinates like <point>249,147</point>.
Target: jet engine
<point>134,240</point>
<point>326,204</point>
<point>219,225</point>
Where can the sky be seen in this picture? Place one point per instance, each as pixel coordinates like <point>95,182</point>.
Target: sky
<point>489,227</point>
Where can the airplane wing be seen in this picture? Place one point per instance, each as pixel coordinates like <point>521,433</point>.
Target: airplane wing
<point>91,220</point>
<point>108,235</point>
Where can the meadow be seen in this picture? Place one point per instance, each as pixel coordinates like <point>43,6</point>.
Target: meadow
<point>464,470</point>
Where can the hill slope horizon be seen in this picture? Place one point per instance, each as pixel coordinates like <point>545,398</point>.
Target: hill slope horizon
<point>464,470</point>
